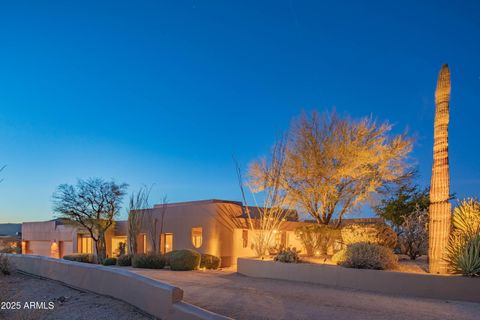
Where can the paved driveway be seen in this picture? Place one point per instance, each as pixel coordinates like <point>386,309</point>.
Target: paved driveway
<point>241,297</point>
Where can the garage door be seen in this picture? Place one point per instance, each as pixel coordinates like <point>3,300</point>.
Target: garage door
<point>66,247</point>
<point>39,248</point>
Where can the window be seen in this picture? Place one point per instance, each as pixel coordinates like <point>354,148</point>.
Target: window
<point>119,246</point>
<point>85,244</point>
<point>168,242</point>
<point>197,237</point>
<point>245,238</point>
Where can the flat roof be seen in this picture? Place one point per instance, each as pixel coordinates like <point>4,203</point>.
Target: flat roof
<point>186,203</point>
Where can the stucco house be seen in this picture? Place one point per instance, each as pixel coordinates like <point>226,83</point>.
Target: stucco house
<point>217,227</point>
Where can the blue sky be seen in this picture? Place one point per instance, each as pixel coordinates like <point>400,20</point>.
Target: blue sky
<point>165,92</point>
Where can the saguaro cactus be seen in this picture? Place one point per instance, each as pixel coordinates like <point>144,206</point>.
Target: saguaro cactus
<point>440,210</point>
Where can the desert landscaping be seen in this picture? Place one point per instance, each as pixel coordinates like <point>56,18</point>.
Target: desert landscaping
<point>189,160</point>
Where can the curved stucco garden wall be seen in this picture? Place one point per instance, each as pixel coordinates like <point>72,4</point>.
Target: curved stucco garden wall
<point>390,282</point>
<point>153,297</point>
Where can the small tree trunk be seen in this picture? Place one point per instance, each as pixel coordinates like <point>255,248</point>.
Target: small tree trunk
<point>101,247</point>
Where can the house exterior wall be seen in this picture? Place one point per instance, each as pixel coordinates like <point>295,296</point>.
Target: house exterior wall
<point>47,238</point>
<point>222,223</point>
<point>214,218</point>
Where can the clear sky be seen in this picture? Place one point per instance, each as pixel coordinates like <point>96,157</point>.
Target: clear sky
<point>164,92</point>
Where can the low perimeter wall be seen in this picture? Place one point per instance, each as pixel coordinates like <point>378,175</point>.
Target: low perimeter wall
<point>420,285</point>
<point>156,298</point>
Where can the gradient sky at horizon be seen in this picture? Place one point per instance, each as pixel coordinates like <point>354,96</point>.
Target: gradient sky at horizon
<point>164,93</point>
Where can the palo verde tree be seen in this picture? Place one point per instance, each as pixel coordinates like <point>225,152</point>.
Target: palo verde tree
<point>92,205</point>
<point>334,164</point>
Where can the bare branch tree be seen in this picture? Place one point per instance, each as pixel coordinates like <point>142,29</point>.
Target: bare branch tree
<point>137,208</point>
<point>266,219</point>
<point>91,204</point>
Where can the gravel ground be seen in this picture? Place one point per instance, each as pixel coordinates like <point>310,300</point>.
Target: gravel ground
<point>68,303</point>
<point>240,297</point>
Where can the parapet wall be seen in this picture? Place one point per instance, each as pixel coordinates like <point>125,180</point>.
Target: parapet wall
<point>159,299</point>
<point>389,282</point>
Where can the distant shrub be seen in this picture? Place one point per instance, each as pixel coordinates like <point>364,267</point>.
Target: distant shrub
<point>110,262</point>
<point>168,256</point>
<point>378,233</point>
<point>209,261</point>
<point>366,256</point>
<point>6,267</point>
<point>318,238</point>
<point>81,257</point>
<point>10,247</point>
<point>124,260</point>
<point>148,261</point>
<point>288,256</point>
<point>183,260</point>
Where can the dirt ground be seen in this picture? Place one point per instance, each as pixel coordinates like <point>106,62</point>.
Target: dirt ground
<point>240,297</point>
<point>68,303</point>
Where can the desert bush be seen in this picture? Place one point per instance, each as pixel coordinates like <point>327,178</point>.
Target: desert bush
<point>124,260</point>
<point>8,246</point>
<point>6,267</point>
<point>109,262</point>
<point>168,256</point>
<point>148,261</point>
<point>183,260</point>
<point>367,256</point>
<point>413,239</point>
<point>378,233</point>
<point>81,257</point>
<point>318,238</point>
<point>288,256</point>
<point>209,261</point>
<point>463,252</point>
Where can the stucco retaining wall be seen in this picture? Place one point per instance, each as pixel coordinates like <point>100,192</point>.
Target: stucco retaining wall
<point>420,285</point>
<point>156,298</point>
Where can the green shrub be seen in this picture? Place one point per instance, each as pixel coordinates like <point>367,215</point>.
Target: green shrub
<point>209,261</point>
<point>110,262</point>
<point>148,261</point>
<point>318,238</point>
<point>366,256</point>
<point>81,257</point>
<point>168,256</point>
<point>467,260</point>
<point>463,251</point>
<point>6,267</point>
<point>124,260</point>
<point>288,256</point>
<point>183,260</point>
<point>378,233</point>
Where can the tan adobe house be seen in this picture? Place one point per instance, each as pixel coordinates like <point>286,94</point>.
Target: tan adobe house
<point>216,227</point>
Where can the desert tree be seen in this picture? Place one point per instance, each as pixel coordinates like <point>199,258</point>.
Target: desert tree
<point>413,238</point>
<point>92,205</point>
<point>152,223</point>
<point>271,207</point>
<point>334,164</point>
<point>404,200</point>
